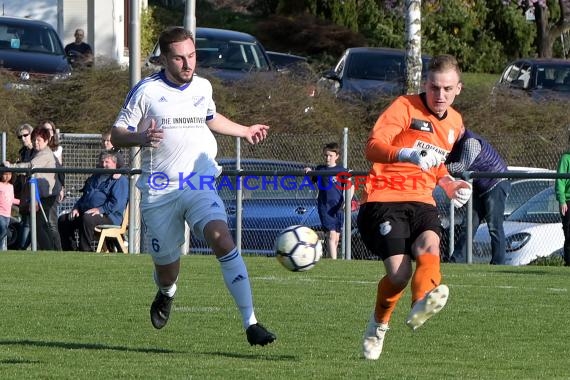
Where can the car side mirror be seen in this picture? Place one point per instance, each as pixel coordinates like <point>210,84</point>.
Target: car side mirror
<point>331,74</point>
<point>519,83</point>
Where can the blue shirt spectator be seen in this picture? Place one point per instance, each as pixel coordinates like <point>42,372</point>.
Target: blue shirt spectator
<point>104,200</point>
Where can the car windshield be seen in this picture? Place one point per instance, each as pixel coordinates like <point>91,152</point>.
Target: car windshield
<point>542,208</point>
<point>378,66</point>
<point>230,55</point>
<point>555,77</point>
<point>29,38</point>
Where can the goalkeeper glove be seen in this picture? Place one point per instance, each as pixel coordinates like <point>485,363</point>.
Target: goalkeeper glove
<point>458,191</point>
<point>425,159</point>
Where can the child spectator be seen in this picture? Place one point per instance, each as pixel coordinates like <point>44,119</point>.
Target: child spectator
<point>330,200</point>
<point>6,201</point>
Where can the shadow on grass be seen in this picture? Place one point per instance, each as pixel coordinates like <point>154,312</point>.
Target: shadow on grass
<point>19,361</point>
<point>84,346</point>
<point>532,272</point>
<point>265,356</point>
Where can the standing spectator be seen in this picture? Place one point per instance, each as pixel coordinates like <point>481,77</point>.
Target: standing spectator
<point>399,220</point>
<point>173,115</point>
<point>54,145</point>
<point>57,150</point>
<point>6,201</point>
<point>80,52</point>
<point>48,188</point>
<point>21,187</point>
<point>24,134</point>
<point>104,200</point>
<point>562,187</point>
<point>473,153</point>
<point>330,200</point>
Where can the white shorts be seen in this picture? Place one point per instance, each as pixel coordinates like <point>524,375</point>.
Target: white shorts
<point>164,220</point>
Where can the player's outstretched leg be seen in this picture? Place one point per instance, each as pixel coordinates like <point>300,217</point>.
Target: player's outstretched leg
<point>257,334</point>
<point>374,338</point>
<point>160,310</point>
<point>428,306</point>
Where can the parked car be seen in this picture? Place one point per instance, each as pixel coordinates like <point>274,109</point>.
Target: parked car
<point>532,231</point>
<point>366,72</point>
<point>270,204</point>
<point>538,78</point>
<point>225,54</point>
<point>290,63</point>
<point>31,53</point>
<point>522,189</point>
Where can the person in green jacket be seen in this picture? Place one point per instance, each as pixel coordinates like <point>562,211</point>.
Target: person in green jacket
<point>562,187</point>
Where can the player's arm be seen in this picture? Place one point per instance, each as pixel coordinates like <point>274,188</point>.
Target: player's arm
<point>457,190</point>
<point>560,183</point>
<point>390,124</point>
<point>151,136</point>
<point>222,125</point>
<point>470,151</point>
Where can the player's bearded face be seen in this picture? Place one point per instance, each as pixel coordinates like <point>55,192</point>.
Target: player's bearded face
<point>441,90</point>
<point>181,62</point>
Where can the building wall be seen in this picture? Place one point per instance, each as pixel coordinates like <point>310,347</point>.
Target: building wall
<point>104,21</point>
<point>45,10</point>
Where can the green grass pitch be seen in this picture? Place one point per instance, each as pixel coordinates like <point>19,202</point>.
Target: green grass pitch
<point>86,316</point>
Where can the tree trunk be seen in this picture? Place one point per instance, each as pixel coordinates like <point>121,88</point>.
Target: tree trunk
<point>547,33</point>
<point>413,46</point>
<point>543,44</point>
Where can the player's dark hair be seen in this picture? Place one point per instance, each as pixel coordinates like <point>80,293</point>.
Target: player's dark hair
<point>332,147</point>
<point>173,34</point>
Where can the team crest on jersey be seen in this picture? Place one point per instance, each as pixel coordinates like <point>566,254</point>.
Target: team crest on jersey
<point>385,228</point>
<point>196,100</point>
<point>421,125</point>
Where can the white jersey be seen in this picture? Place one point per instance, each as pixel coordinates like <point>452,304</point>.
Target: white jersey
<point>187,153</point>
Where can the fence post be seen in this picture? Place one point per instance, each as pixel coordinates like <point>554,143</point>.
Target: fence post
<point>470,227</point>
<point>33,205</point>
<point>451,239</point>
<point>135,235</point>
<point>4,142</point>
<point>346,232</point>
<point>239,196</point>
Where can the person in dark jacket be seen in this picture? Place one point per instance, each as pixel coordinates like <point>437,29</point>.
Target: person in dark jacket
<point>104,200</point>
<point>473,153</point>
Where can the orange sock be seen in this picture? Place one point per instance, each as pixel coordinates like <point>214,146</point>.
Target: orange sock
<point>426,277</point>
<point>386,299</point>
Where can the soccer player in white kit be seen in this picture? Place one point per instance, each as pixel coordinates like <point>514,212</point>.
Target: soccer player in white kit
<point>172,115</point>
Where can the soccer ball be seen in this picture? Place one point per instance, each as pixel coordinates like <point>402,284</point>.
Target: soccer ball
<point>298,248</point>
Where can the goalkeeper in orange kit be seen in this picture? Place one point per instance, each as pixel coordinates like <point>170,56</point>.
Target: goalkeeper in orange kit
<point>411,139</point>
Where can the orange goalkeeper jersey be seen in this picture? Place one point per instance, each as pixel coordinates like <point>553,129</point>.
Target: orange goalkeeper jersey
<point>408,123</point>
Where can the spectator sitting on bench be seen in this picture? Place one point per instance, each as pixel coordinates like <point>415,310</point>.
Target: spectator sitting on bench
<point>104,199</point>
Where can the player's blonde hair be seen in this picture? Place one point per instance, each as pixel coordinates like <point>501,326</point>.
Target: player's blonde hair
<point>444,62</point>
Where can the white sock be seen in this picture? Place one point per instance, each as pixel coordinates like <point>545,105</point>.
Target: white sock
<point>169,291</point>
<point>237,282</point>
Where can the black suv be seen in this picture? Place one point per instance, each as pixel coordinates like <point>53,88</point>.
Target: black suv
<point>225,54</point>
<point>31,53</point>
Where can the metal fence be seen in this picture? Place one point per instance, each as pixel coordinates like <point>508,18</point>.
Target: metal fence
<point>81,151</point>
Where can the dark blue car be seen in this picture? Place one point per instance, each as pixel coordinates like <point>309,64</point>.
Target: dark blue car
<point>364,73</point>
<point>225,54</point>
<point>271,202</point>
<point>31,53</point>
